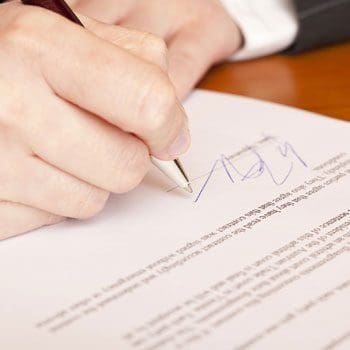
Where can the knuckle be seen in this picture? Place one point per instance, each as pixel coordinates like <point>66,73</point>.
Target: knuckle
<point>133,165</point>
<point>7,177</point>
<point>157,43</point>
<point>16,111</point>
<point>12,106</point>
<point>157,105</point>
<point>29,27</point>
<point>90,204</point>
<point>157,48</point>
<point>22,26</point>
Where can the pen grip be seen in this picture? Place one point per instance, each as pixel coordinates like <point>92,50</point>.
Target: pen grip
<point>58,6</point>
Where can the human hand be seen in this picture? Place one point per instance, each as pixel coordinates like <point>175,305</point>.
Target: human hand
<point>80,112</point>
<point>199,33</point>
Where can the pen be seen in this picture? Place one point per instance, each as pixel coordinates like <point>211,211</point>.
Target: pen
<point>172,169</point>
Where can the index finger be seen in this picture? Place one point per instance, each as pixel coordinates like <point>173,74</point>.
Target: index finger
<point>97,76</point>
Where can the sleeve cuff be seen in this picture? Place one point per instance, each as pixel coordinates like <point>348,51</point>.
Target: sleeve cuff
<point>268,26</point>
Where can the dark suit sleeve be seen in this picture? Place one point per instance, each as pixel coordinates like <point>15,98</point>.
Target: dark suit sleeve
<point>322,22</point>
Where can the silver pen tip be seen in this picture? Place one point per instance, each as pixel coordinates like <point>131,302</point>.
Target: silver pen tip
<point>189,189</point>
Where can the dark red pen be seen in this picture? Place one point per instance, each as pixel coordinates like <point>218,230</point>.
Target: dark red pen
<point>58,6</point>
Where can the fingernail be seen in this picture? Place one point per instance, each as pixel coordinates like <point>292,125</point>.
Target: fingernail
<point>181,143</point>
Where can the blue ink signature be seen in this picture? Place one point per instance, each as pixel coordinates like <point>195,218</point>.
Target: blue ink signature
<point>260,166</point>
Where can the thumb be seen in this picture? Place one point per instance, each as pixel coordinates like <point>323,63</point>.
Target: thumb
<point>192,52</point>
<point>141,44</point>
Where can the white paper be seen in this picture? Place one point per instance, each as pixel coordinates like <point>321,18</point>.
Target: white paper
<point>259,260</point>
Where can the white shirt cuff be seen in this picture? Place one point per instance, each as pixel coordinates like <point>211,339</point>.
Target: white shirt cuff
<point>268,26</point>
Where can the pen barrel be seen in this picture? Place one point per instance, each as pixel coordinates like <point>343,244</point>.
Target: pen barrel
<point>58,6</point>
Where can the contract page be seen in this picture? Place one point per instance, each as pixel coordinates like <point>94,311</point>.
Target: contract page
<point>257,258</point>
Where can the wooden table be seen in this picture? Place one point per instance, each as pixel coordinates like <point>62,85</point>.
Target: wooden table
<point>318,81</point>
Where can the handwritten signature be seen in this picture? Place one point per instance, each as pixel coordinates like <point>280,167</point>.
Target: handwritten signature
<point>257,169</point>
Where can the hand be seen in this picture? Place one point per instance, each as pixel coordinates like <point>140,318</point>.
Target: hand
<point>80,112</point>
<point>199,33</point>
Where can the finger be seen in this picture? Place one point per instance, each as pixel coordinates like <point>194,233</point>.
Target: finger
<point>85,146</point>
<point>191,54</point>
<point>142,44</point>
<point>52,190</point>
<point>17,218</point>
<point>106,80</point>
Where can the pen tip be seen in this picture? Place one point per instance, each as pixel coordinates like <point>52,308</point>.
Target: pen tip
<point>189,189</point>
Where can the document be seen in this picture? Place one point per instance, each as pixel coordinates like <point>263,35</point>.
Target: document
<point>257,258</point>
